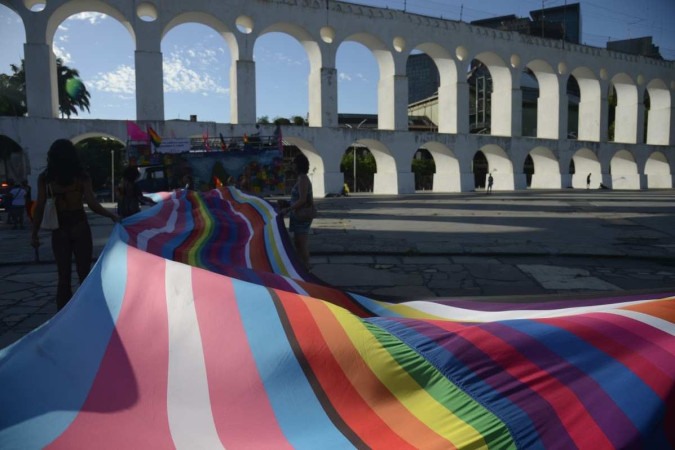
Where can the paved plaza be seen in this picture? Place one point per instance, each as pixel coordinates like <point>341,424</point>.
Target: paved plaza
<point>505,246</point>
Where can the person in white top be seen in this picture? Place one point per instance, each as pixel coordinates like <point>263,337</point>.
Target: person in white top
<point>18,194</point>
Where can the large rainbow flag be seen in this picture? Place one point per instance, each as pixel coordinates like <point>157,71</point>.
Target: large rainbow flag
<point>198,329</point>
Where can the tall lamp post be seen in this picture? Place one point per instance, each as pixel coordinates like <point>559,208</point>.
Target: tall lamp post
<point>112,177</point>
<point>354,190</point>
<point>357,127</point>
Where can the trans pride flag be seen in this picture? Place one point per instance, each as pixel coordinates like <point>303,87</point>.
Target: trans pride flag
<point>198,329</point>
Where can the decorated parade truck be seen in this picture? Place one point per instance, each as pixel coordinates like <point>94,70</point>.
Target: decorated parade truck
<point>254,164</point>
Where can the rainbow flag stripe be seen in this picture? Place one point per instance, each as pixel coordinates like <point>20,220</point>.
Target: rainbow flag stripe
<point>197,328</point>
<point>154,137</point>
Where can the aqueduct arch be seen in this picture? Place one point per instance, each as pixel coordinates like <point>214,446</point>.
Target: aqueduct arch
<point>657,170</point>
<point>322,26</point>
<point>548,103</point>
<point>546,169</point>
<point>500,166</point>
<point>625,125</point>
<point>448,175</point>
<point>586,162</point>
<point>624,171</point>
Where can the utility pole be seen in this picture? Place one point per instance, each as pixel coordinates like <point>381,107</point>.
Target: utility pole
<point>405,5</point>
<point>112,180</point>
<point>542,18</point>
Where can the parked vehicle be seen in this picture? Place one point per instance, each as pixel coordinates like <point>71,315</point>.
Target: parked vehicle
<point>153,179</point>
<point>4,196</point>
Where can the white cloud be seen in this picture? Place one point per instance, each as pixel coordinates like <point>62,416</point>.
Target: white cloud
<point>197,56</point>
<point>121,81</point>
<point>284,59</point>
<point>344,77</point>
<point>61,53</point>
<point>91,17</point>
<point>361,77</point>
<point>178,77</point>
<point>279,58</point>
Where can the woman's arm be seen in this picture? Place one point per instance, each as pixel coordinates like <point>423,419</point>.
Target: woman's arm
<point>93,204</point>
<point>142,199</point>
<point>39,211</point>
<point>303,190</point>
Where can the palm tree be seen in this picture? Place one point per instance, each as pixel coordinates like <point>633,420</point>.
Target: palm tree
<point>73,94</point>
<point>13,92</point>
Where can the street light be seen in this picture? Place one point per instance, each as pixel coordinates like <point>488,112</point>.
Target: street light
<point>354,169</point>
<point>112,178</point>
<point>357,127</point>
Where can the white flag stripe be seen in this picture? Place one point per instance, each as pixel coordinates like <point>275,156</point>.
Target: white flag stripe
<point>467,315</point>
<point>189,406</point>
<point>660,324</point>
<point>146,235</point>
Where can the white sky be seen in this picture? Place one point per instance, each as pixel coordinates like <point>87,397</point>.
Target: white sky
<point>197,60</point>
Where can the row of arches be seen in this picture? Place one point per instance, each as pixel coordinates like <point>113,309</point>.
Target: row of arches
<point>636,102</point>
<point>394,167</point>
<point>539,169</point>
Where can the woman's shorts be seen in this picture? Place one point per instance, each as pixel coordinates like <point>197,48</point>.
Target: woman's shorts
<point>296,226</point>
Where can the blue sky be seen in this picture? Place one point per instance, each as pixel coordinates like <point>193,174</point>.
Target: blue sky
<point>197,61</point>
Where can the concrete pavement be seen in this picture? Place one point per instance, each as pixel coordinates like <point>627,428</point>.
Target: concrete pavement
<point>503,246</point>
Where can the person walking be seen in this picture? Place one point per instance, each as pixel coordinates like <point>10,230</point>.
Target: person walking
<point>29,199</point>
<point>490,183</point>
<point>188,183</point>
<point>66,181</point>
<point>15,215</point>
<point>129,194</point>
<point>588,181</point>
<point>302,201</point>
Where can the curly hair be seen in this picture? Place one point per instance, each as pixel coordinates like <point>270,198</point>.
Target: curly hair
<point>130,173</point>
<point>302,163</point>
<point>63,163</point>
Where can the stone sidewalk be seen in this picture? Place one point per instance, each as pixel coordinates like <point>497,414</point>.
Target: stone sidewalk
<point>504,246</point>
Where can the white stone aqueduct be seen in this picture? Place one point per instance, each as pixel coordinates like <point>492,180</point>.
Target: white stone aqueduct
<point>631,161</point>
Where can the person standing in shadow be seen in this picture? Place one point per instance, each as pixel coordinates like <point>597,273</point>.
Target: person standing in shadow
<point>188,183</point>
<point>588,181</point>
<point>130,196</point>
<point>69,184</point>
<point>490,183</point>
<point>18,206</point>
<point>302,197</point>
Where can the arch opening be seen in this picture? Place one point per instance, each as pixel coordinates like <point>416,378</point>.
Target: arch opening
<point>357,95</point>
<point>624,171</point>
<point>657,170</point>
<point>584,163</point>
<point>282,66</point>
<point>108,91</point>
<point>542,169</point>
<point>196,73</point>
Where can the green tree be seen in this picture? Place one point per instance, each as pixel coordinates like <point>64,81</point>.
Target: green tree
<point>281,121</point>
<point>73,93</point>
<point>7,147</point>
<point>96,155</point>
<point>298,120</point>
<point>264,120</point>
<point>424,170</point>
<point>365,169</point>
<point>13,92</point>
